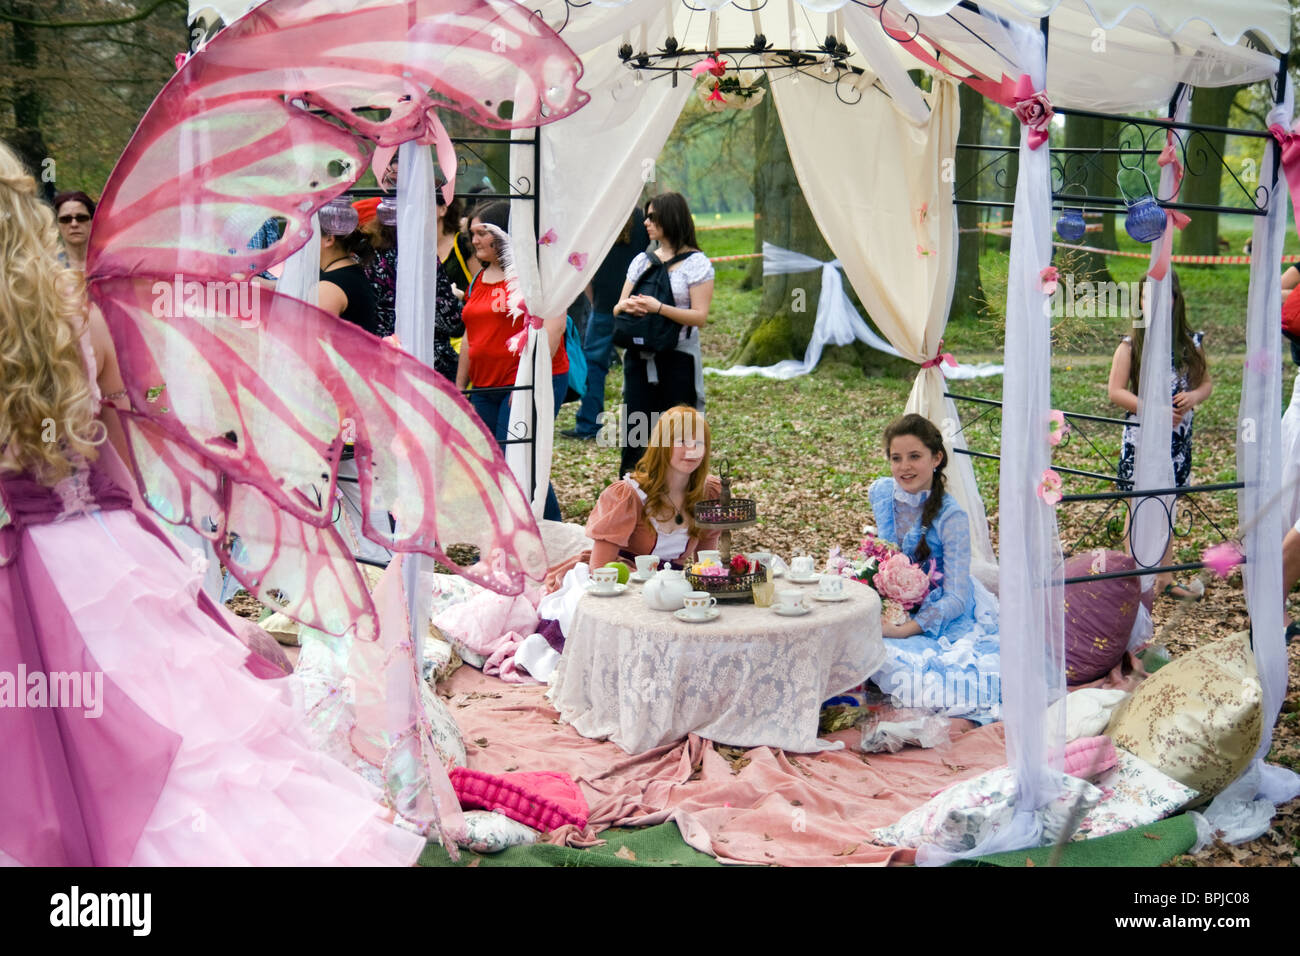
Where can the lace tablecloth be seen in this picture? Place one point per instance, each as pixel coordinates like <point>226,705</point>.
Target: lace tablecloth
<point>749,678</point>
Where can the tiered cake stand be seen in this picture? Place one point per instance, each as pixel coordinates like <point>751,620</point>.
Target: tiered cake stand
<point>727,514</point>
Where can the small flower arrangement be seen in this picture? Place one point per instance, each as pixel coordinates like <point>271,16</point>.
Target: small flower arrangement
<point>901,584</point>
<point>721,90</point>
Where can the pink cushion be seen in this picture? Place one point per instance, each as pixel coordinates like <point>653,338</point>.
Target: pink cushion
<point>1089,756</point>
<point>543,800</point>
<point>1098,614</point>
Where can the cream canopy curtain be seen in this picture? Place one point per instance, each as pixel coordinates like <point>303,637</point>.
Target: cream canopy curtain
<point>873,179</point>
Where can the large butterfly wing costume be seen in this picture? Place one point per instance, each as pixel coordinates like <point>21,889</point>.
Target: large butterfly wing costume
<point>244,399</point>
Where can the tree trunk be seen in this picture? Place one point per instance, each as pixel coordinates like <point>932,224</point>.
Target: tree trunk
<point>1087,178</point>
<point>969,292</point>
<point>764,115</point>
<point>27,139</point>
<point>788,309</point>
<point>1201,181</point>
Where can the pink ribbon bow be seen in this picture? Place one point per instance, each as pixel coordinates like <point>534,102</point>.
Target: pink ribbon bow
<point>1290,144</point>
<point>940,359</point>
<point>1034,110</point>
<point>1173,218</point>
<point>432,133</point>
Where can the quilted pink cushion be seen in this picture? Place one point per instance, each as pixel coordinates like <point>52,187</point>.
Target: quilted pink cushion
<point>542,800</point>
<point>1089,756</point>
<point>1098,614</point>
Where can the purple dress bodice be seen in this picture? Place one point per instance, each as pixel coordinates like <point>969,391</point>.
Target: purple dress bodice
<point>24,502</point>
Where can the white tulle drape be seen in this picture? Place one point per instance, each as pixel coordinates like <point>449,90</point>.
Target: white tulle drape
<point>1153,468</point>
<point>1244,810</point>
<point>415,302</point>
<point>1030,570</point>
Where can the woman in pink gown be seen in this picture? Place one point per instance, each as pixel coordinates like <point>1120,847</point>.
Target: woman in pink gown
<point>133,732</point>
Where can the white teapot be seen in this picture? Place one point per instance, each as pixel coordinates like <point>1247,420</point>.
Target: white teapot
<point>666,590</point>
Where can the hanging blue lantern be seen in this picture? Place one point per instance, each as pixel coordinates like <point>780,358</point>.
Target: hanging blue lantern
<point>1071,226</point>
<point>1145,221</point>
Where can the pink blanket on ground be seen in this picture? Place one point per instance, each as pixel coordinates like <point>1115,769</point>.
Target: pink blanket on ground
<point>789,809</point>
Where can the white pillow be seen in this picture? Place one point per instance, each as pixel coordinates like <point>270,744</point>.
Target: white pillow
<point>1087,712</point>
<point>964,815</point>
<point>489,832</point>
<point>1134,794</point>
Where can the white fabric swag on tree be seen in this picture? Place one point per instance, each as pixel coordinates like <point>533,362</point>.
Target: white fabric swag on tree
<point>837,322</point>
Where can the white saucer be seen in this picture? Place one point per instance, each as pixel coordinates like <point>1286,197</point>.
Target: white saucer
<point>798,579</point>
<point>830,597</point>
<point>709,615</point>
<point>615,591</point>
<point>790,612</point>
<point>639,578</point>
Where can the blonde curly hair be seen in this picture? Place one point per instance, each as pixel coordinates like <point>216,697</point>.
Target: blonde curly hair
<point>46,393</point>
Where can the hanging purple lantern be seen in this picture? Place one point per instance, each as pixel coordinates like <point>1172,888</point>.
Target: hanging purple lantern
<point>1071,226</point>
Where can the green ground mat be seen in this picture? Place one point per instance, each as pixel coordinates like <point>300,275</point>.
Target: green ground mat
<point>663,846</point>
<point>1142,846</point>
<point>660,845</point>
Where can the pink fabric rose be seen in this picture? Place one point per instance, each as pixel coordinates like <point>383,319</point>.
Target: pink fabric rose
<point>1035,111</point>
<point>1049,278</point>
<point>1222,558</point>
<point>900,580</point>
<point>1049,489</point>
<point>548,238</point>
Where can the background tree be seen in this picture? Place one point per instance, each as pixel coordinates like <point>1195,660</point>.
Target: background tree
<point>968,292</point>
<point>77,75</point>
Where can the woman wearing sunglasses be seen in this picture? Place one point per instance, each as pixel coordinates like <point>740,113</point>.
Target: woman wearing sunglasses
<point>74,210</point>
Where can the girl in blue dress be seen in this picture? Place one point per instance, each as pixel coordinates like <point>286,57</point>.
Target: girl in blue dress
<point>944,656</point>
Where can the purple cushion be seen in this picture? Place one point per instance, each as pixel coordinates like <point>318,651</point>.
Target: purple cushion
<point>1098,614</point>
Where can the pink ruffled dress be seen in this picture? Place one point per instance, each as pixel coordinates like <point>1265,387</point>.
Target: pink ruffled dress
<point>133,729</point>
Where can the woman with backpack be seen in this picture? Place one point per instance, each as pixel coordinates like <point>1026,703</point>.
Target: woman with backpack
<point>664,305</point>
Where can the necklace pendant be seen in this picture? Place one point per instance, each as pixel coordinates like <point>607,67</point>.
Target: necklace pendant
<point>679,517</point>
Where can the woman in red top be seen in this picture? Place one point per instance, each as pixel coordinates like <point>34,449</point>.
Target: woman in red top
<point>486,361</point>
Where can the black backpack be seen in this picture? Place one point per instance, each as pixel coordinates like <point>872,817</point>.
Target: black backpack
<point>651,332</point>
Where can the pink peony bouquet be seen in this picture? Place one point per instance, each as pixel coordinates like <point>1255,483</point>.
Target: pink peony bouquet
<point>901,584</point>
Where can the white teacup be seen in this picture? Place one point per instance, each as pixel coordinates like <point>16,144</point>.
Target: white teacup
<point>646,563</point>
<point>830,585</point>
<point>789,599</point>
<point>698,603</point>
<point>802,566</point>
<point>714,556</point>
<point>762,557</point>
<point>605,579</point>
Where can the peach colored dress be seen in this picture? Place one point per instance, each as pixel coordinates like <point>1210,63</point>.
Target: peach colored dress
<point>619,519</point>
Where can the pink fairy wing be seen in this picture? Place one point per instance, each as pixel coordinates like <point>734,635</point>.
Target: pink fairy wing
<point>270,553</point>
<point>413,425</point>
<point>248,400</point>
<point>179,485</point>
<point>195,184</point>
<point>473,56</point>
<point>392,729</point>
<point>276,556</point>
<point>273,401</point>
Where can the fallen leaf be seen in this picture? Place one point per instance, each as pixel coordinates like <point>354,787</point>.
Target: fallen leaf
<point>847,851</point>
<point>1153,836</point>
<point>1029,861</point>
<point>481,741</point>
<point>767,836</point>
<point>510,769</point>
<point>796,803</point>
<point>474,862</point>
<point>623,853</point>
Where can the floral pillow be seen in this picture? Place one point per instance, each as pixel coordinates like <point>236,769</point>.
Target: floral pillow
<point>1134,794</point>
<point>1197,719</point>
<point>489,832</point>
<point>967,813</point>
<point>1098,614</point>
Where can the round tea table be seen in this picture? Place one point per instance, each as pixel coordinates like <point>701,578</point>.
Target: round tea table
<point>749,678</point>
